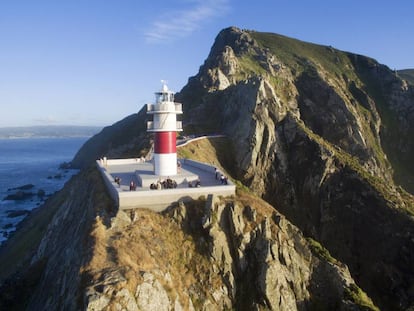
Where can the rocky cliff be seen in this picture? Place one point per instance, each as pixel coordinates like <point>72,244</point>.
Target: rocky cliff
<point>210,254</point>
<point>324,136</point>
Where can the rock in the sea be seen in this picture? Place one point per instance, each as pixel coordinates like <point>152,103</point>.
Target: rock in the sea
<point>24,187</point>
<point>14,214</point>
<point>7,226</point>
<point>19,196</point>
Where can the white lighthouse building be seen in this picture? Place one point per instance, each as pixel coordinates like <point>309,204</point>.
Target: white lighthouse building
<point>165,127</point>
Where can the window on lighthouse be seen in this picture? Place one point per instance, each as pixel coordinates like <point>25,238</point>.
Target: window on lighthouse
<point>158,98</point>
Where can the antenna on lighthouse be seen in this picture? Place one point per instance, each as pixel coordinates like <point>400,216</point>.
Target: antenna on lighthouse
<point>164,85</point>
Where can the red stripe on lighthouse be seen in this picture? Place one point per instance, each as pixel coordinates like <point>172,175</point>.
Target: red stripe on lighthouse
<point>165,142</point>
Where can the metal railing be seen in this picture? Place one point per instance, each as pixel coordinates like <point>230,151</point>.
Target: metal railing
<point>165,107</point>
<point>178,126</point>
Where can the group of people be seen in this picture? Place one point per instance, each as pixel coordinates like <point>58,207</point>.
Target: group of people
<point>156,186</point>
<point>165,184</point>
<point>172,184</point>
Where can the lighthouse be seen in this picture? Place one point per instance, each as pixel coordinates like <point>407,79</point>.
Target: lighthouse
<point>165,127</point>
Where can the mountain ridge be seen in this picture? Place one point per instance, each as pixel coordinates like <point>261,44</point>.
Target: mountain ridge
<point>320,134</point>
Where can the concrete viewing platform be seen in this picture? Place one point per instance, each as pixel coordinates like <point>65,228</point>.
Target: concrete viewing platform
<point>141,173</point>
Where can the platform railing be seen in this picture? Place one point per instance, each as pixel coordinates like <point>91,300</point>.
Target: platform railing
<point>178,126</point>
<point>165,107</point>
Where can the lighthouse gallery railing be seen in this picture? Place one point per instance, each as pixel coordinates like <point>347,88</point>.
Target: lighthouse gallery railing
<point>165,107</point>
<point>179,126</point>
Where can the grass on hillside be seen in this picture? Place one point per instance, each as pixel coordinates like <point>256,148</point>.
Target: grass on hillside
<point>217,151</point>
<point>355,294</point>
<point>249,67</point>
<point>154,244</point>
<point>321,252</point>
<point>297,54</point>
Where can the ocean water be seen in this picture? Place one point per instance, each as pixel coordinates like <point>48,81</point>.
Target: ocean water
<point>32,161</point>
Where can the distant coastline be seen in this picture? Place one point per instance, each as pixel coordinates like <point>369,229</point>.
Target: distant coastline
<point>46,131</point>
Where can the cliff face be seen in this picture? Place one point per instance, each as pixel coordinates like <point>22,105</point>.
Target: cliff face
<point>210,254</point>
<point>41,262</point>
<point>68,245</point>
<point>321,134</point>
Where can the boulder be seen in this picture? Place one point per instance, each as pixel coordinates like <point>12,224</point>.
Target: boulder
<point>19,196</point>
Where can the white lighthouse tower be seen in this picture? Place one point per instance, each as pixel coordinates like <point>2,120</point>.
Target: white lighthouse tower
<point>165,126</point>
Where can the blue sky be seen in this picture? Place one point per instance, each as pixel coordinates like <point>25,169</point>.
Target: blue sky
<point>94,62</point>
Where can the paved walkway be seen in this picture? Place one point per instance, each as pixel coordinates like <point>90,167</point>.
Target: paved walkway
<point>134,170</point>
<point>129,172</point>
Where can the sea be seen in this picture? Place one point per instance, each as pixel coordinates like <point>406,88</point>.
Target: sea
<point>31,166</point>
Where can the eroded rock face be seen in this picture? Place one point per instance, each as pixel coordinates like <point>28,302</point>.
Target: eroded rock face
<point>222,254</point>
<point>265,261</point>
<point>63,247</point>
<point>320,146</point>
<point>151,295</point>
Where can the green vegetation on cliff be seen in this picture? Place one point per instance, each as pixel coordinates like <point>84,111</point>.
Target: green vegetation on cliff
<point>298,55</point>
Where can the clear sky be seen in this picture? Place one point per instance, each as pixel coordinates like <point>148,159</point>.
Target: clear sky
<point>94,62</point>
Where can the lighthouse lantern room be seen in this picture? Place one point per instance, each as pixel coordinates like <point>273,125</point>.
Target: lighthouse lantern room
<point>165,127</point>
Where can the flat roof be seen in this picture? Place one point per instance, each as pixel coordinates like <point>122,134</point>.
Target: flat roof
<point>141,173</point>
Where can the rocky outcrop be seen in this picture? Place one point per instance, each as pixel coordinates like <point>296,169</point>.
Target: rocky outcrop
<point>143,261</point>
<point>318,134</point>
<point>110,292</point>
<point>330,201</point>
<point>212,254</point>
<point>394,101</point>
<point>264,260</point>
<point>66,245</point>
